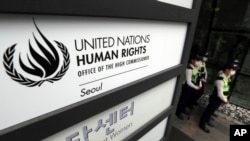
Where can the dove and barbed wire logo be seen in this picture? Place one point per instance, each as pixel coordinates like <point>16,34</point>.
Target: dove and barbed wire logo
<point>43,65</point>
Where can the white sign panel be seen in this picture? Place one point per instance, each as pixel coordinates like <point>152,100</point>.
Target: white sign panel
<point>49,62</point>
<point>156,133</point>
<point>183,3</point>
<point>119,122</point>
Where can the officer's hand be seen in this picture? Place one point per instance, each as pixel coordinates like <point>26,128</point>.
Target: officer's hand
<point>227,103</point>
<point>199,87</point>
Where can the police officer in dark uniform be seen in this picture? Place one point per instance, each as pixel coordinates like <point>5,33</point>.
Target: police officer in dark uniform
<point>219,96</point>
<point>189,86</point>
<point>235,62</point>
<point>202,78</point>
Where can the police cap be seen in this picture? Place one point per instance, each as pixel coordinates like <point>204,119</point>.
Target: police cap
<point>195,57</point>
<point>203,54</point>
<point>231,66</point>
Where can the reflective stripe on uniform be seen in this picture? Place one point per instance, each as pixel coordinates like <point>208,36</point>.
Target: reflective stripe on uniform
<point>195,73</point>
<point>226,85</point>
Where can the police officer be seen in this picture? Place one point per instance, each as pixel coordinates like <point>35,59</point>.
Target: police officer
<point>202,76</point>
<point>219,96</point>
<point>189,86</point>
<point>232,76</point>
<point>235,62</point>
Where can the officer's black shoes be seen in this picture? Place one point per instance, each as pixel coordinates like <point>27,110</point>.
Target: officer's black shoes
<point>204,128</point>
<point>210,124</point>
<point>180,116</point>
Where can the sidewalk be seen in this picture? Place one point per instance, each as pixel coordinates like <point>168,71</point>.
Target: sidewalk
<point>190,127</point>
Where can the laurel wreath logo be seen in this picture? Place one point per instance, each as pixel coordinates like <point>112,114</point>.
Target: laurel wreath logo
<point>11,71</point>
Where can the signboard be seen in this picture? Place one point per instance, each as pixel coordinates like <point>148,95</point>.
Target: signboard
<point>49,62</point>
<point>182,3</point>
<point>120,121</point>
<point>156,133</point>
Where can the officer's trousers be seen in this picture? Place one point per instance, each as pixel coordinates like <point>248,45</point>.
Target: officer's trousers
<point>214,104</point>
<point>185,98</point>
<point>197,95</point>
